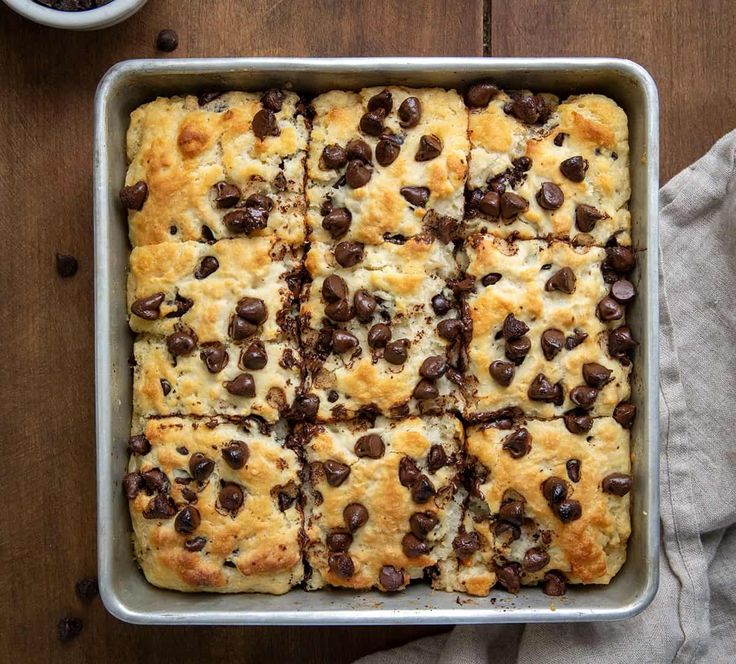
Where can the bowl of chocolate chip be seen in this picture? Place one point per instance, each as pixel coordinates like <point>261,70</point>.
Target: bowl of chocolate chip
<point>76,14</point>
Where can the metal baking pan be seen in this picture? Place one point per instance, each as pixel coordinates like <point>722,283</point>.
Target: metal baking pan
<point>124,590</point>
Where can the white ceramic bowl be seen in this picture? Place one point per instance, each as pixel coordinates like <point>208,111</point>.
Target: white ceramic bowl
<point>90,19</point>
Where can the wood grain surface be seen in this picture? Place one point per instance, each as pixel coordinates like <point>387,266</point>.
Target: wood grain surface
<point>48,78</point>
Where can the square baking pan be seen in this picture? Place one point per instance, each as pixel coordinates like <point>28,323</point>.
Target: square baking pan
<point>124,590</point>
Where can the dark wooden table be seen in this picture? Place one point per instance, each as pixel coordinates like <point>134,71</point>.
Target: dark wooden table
<point>47,82</point>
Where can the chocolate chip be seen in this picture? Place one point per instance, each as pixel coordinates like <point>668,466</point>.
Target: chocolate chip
<point>436,458</point>
<point>339,542</point>
<point>513,328</point>
<point>408,471</point>
<point>231,498</point>
<point>563,280</point>
<point>66,266</point>
<point>425,390</point>
<point>207,235</point>
<point>559,139</point>
<point>512,512</point>
<point>450,329</point>
<point>333,157</point>
<point>200,466</point>
<point>181,343</point>
<point>554,584</point>
<point>379,335</point>
<point>550,196</point>
<point>530,109</point>
<point>416,196</point>
<point>422,523</point>
<point>334,289</point>
<point>502,372</point>
<point>608,309</point>
<point>206,267</point>
<point>335,472</point>
<point>243,385</point>
<point>618,484</point>
<point>390,578</point>
<point>535,559</point>
<point>272,100</point>
<point>554,490</point>
<point>246,220</point>
<point>165,386</point>
<point>573,470</point>
<point>252,309</point>
<point>365,305</point>
<point>255,356</point>
<point>583,396</point>
<point>355,516</point>
<point>586,217</point>
<point>568,510</point>
<point>509,576</point>
<point>187,521</point>
<point>341,565</point>
<point>148,307</point>
<point>383,100</point>
<point>371,123</point>
<point>433,367</point>
<point>517,349</point>
<point>348,254</point>
<point>134,196</point>
<point>195,544</point>
<point>620,342</point>
<point>337,222</point>
<point>410,111</point>
<point>339,311</point>
<point>132,484</point>
<point>160,506</point>
<point>214,356</point>
<point>342,341</point>
<point>304,408</point>
<point>236,454</point>
<point>422,489</point>
<point>430,147</point>
<point>167,41</point>
<point>360,150</point>
<point>517,443</point>
<point>204,98</point>
<point>386,152</point>
<point>577,421</point>
<point>371,446</point>
<point>265,124</point>
<point>625,413</point>
<point>440,304</point>
<point>574,168</point>
<point>541,389</point>
<point>491,278</point>
<point>357,174</point>
<point>156,480</point>
<point>413,547</point>
<point>623,291</point>
<point>552,342</point>
<point>620,259</point>
<point>259,202</point>
<point>69,628</point>
<point>575,339</point>
<point>241,329</point>
<point>396,352</point>
<point>87,589</point>
<point>466,544</point>
<point>139,445</point>
<point>479,95</point>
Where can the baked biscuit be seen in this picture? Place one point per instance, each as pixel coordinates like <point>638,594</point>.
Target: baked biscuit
<point>199,288</point>
<point>381,502</point>
<point>536,336</point>
<point>200,166</point>
<point>412,161</point>
<point>552,499</point>
<point>258,378</point>
<point>569,164</point>
<point>371,331</point>
<point>215,506</point>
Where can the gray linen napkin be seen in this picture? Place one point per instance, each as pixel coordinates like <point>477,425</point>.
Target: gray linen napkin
<point>693,617</point>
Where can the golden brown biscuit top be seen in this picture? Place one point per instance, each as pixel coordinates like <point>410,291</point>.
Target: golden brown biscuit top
<point>214,506</point>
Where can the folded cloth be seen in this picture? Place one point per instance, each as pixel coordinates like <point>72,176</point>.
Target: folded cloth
<point>693,617</point>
